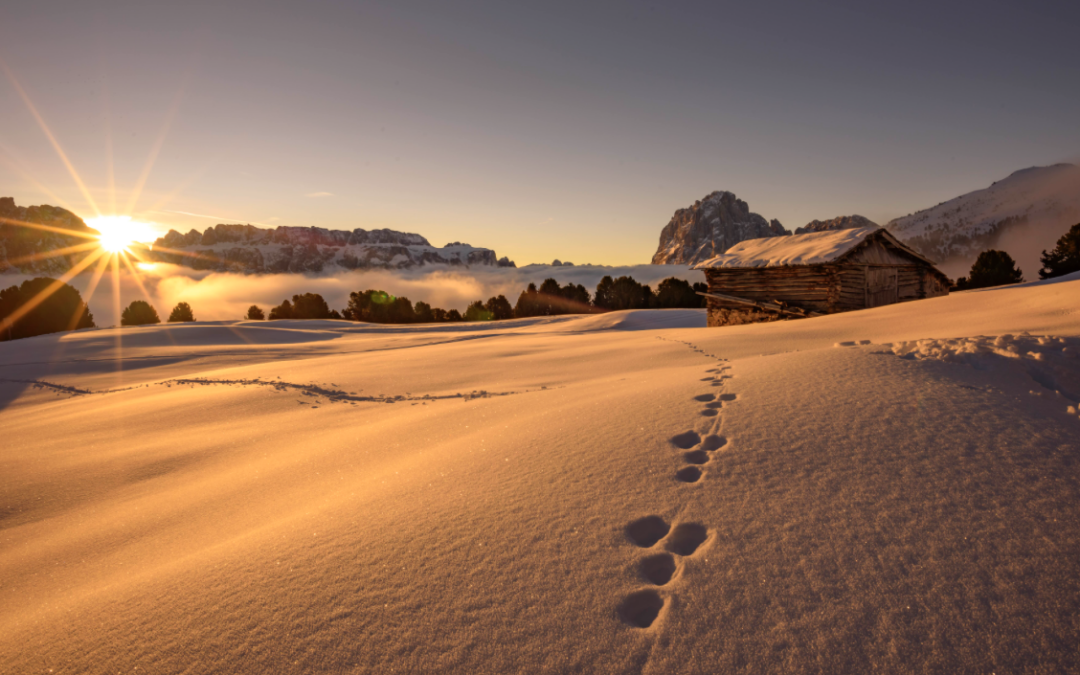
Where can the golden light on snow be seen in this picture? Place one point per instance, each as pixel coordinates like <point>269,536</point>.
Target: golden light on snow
<point>119,232</point>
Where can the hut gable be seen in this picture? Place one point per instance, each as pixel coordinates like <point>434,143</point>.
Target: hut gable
<point>868,245</point>
<point>821,272</point>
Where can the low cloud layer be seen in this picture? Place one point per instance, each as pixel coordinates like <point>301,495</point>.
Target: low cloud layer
<point>222,296</point>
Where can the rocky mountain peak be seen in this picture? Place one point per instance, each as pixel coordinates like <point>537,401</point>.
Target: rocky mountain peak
<point>838,223</point>
<point>709,227</point>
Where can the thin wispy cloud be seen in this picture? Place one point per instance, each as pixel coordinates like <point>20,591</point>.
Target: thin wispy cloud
<point>220,219</point>
<point>319,194</point>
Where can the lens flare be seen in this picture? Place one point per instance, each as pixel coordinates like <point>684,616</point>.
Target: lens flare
<point>119,232</point>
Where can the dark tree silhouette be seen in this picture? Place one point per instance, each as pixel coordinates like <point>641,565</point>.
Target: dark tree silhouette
<point>379,307</point>
<point>528,303</point>
<point>623,293</point>
<point>499,308</point>
<point>62,309</point>
<point>181,313</point>
<point>1064,258</point>
<point>476,312</point>
<point>673,292</point>
<point>551,299</point>
<point>139,313</point>
<point>306,306</point>
<point>577,295</point>
<point>438,314</point>
<point>255,313</point>
<point>453,315</point>
<point>424,314</point>
<point>991,268</point>
<point>310,306</point>
<point>282,311</point>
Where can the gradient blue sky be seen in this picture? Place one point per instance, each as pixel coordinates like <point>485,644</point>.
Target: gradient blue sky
<point>569,130</point>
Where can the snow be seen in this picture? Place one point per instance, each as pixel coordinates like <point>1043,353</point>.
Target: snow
<point>1022,214</point>
<point>524,496</point>
<point>801,249</point>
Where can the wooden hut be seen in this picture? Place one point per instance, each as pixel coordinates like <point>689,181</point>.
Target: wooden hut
<point>812,274</point>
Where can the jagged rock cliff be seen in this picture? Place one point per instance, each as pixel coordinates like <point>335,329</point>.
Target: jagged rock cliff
<point>840,223</point>
<point>250,249</point>
<point>710,227</point>
<point>22,247</point>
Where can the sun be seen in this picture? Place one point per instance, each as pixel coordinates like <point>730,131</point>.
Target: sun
<point>119,232</point>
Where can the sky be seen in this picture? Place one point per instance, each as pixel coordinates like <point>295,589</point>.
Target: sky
<point>540,130</point>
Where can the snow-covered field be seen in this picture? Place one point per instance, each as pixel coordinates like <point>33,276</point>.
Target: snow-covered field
<point>892,490</point>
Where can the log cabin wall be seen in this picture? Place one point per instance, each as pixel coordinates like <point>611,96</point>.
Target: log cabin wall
<point>876,272</point>
<point>810,287</point>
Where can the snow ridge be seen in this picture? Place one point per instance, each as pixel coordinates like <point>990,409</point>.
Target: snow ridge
<point>1040,202</point>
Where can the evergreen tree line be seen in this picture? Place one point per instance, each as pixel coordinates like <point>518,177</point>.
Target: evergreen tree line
<point>54,307</point>
<point>550,299</point>
<point>996,268</point>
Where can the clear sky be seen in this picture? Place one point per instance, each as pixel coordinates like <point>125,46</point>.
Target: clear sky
<point>569,130</point>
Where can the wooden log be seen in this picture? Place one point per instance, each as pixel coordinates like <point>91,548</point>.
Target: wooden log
<point>769,307</point>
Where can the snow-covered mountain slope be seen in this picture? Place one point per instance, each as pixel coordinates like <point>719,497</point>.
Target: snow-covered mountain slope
<point>883,491</point>
<point>1023,215</point>
<point>250,249</point>
<point>709,227</point>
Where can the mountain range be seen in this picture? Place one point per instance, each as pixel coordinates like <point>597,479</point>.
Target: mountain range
<point>249,249</point>
<point>26,249</point>
<point>1022,214</point>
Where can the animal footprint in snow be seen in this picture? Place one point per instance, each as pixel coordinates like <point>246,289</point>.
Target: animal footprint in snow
<point>658,569</point>
<point>645,532</point>
<point>710,412</point>
<point>641,608</point>
<point>696,457</point>
<point>728,397</point>
<point>705,397</point>
<point>713,442</point>
<point>685,441</point>
<point>686,538</point>
<point>714,404</point>
<point>690,474</point>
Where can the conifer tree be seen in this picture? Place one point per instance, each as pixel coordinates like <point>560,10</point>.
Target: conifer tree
<point>1065,256</point>
<point>181,313</point>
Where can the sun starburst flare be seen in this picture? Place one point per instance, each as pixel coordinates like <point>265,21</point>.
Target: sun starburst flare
<point>120,232</point>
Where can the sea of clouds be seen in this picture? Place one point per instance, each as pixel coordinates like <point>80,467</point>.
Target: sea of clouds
<point>216,296</point>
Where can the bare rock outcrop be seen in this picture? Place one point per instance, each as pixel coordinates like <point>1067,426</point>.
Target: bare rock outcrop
<point>839,223</point>
<point>709,227</point>
<point>23,247</point>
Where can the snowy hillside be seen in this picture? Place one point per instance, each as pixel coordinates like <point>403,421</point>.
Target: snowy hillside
<point>1023,214</point>
<point>885,491</point>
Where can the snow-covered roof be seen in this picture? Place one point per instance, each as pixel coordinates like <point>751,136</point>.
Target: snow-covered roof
<point>815,248</point>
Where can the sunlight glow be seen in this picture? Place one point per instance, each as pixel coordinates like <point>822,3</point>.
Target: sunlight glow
<point>119,232</point>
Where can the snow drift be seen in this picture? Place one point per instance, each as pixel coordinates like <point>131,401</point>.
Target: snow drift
<point>888,490</point>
